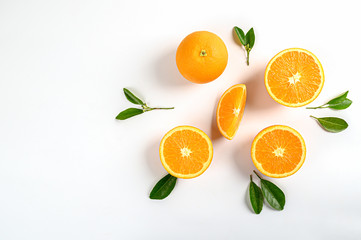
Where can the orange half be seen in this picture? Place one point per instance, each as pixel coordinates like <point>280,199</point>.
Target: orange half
<point>278,151</point>
<point>186,152</point>
<point>230,110</point>
<point>294,77</point>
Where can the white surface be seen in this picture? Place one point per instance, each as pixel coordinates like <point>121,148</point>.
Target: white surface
<point>69,170</point>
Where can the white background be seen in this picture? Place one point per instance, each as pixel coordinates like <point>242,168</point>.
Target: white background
<point>69,170</point>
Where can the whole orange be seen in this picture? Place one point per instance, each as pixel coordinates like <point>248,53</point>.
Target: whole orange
<point>201,57</point>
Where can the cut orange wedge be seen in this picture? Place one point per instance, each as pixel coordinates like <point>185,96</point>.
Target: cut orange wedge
<point>278,151</point>
<point>294,77</point>
<point>230,110</point>
<point>186,152</point>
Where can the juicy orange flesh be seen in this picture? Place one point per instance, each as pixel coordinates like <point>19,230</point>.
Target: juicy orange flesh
<point>193,144</point>
<point>287,144</point>
<point>287,66</point>
<point>233,100</point>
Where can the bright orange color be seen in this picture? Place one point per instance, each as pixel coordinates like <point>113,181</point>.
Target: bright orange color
<point>230,110</point>
<point>186,152</point>
<point>294,77</point>
<point>278,151</point>
<point>201,57</point>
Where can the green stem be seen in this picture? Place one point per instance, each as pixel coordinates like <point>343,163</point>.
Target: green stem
<point>248,57</point>
<point>160,108</point>
<point>322,106</point>
<point>250,176</point>
<point>257,174</point>
<point>147,109</point>
<point>313,117</point>
<point>203,53</point>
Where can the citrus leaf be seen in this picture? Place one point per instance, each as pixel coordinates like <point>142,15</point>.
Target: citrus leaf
<point>341,104</point>
<point>130,112</point>
<point>338,103</point>
<point>250,38</point>
<point>256,197</point>
<point>240,35</point>
<point>338,99</point>
<point>332,124</point>
<point>273,194</point>
<point>163,188</point>
<point>132,98</point>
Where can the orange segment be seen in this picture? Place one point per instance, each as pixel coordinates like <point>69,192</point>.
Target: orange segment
<point>278,151</point>
<point>230,110</point>
<point>294,77</point>
<point>186,152</point>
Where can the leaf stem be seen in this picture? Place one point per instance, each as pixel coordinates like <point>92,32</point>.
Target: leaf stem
<point>250,176</point>
<point>248,49</point>
<point>257,174</point>
<point>322,106</point>
<point>161,108</point>
<point>313,117</point>
<point>147,109</point>
<point>248,58</point>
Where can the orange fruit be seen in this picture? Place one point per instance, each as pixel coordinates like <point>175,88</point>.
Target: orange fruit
<point>186,152</point>
<point>230,110</point>
<point>201,57</point>
<point>294,77</point>
<point>278,151</point>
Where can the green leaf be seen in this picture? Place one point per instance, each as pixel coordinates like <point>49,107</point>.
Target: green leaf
<point>256,197</point>
<point>132,98</point>
<point>130,112</point>
<point>163,188</point>
<point>240,35</point>
<point>332,124</point>
<point>341,104</point>
<point>273,194</point>
<point>338,103</point>
<point>246,40</point>
<point>250,38</point>
<point>338,99</point>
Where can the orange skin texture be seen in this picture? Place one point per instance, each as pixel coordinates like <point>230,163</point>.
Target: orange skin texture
<point>201,57</point>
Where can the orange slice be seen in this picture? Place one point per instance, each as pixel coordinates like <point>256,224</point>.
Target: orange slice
<point>278,151</point>
<point>294,77</point>
<point>186,152</point>
<point>230,110</point>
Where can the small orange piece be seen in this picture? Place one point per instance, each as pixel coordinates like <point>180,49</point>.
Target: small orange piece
<point>186,152</point>
<point>294,77</point>
<point>230,110</point>
<point>278,151</point>
<point>201,57</point>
